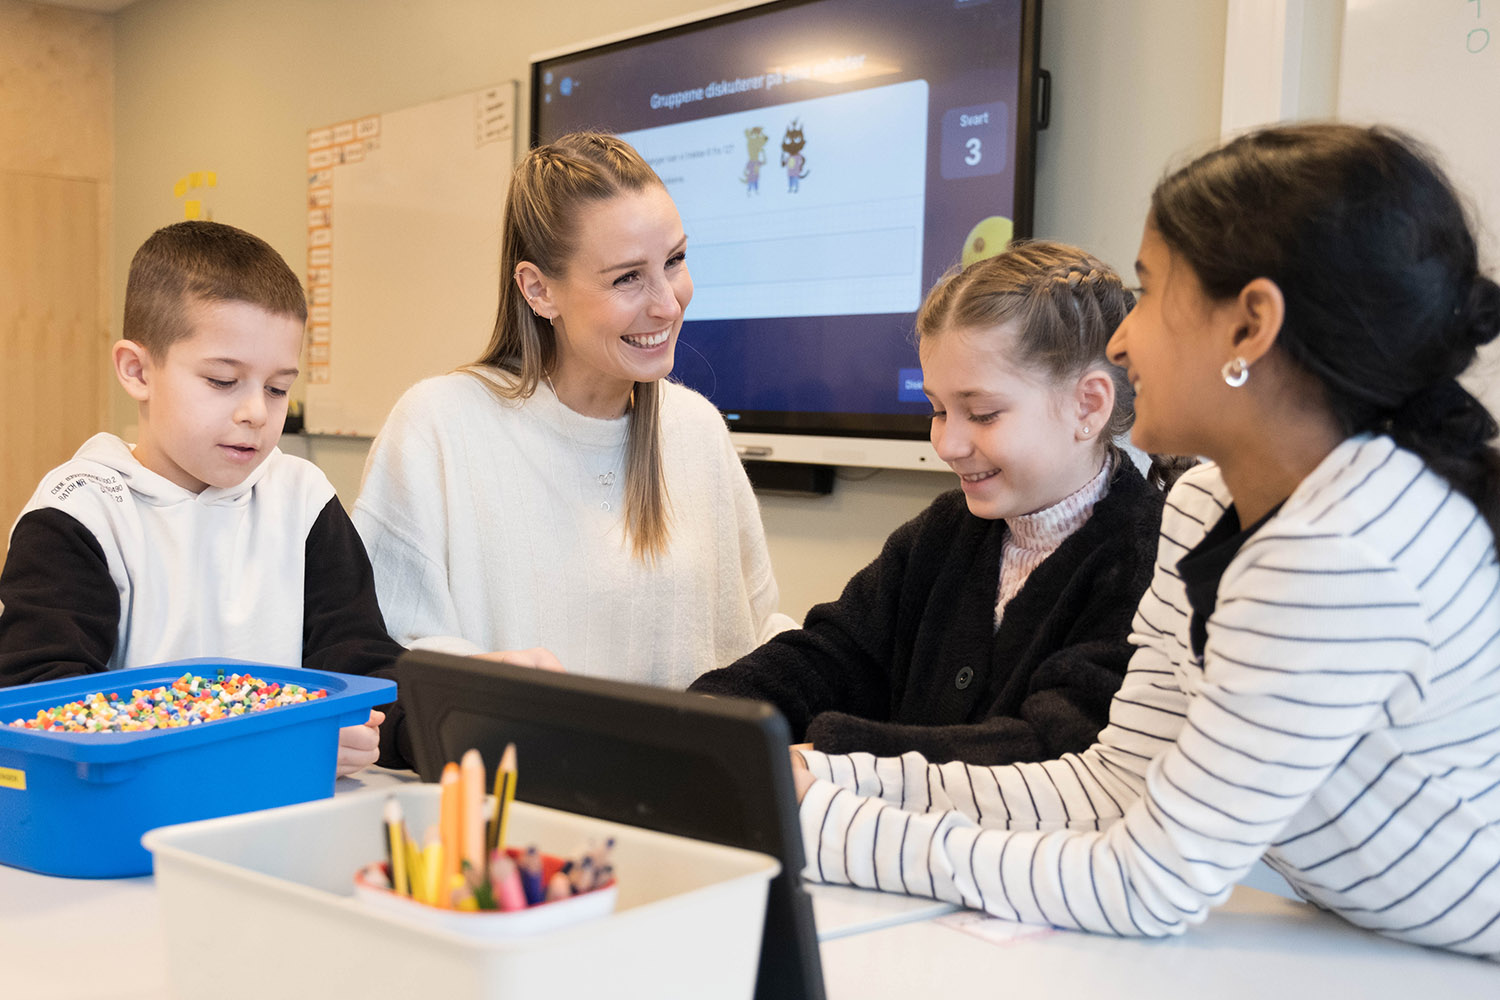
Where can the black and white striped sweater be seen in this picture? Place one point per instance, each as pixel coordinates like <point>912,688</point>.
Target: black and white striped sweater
<point>1343,721</point>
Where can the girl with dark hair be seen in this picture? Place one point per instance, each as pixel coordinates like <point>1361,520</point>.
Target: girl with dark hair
<point>993,626</point>
<point>1318,673</point>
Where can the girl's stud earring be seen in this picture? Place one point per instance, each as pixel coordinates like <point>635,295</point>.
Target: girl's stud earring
<point>1085,432</point>
<point>1235,372</point>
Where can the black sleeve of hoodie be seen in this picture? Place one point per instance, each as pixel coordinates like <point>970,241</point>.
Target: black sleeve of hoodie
<point>1067,707</point>
<point>59,608</point>
<point>342,628</point>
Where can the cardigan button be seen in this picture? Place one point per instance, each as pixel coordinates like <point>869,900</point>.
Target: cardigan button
<point>964,679</point>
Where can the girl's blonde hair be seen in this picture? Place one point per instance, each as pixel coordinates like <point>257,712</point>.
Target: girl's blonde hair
<point>550,189</point>
<point>1064,304</point>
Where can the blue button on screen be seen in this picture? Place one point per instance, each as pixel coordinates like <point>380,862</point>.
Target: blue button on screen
<point>909,385</point>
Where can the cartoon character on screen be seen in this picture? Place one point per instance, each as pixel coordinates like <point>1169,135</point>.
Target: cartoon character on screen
<point>755,146</point>
<point>791,155</point>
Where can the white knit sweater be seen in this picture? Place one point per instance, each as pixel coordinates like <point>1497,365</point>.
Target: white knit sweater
<point>1343,720</point>
<point>486,524</point>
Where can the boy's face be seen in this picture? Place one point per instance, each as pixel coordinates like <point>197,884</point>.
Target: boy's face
<point>213,408</point>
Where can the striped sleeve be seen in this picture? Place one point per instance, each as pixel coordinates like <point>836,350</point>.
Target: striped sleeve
<point>1281,701</point>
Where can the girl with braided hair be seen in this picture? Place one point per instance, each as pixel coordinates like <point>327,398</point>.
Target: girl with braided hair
<point>993,626</point>
<point>1318,674</point>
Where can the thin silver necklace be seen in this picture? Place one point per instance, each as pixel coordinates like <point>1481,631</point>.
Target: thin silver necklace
<point>606,479</point>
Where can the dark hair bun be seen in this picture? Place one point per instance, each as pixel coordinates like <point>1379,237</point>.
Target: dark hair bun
<point>1482,315</point>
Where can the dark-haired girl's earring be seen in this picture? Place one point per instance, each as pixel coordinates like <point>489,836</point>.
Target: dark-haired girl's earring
<point>1235,372</point>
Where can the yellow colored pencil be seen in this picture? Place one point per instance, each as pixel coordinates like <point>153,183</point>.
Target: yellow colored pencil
<point>395,832</point>
<point>450,827</point>
<point>415,870</point>
<point>505,794</point>
<point>432,867</point>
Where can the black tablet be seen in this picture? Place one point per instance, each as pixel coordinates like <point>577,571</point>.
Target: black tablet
<point>709,768</point>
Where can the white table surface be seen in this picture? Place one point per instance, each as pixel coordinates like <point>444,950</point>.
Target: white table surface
<point>101,938</point>
<point>1257,945</point>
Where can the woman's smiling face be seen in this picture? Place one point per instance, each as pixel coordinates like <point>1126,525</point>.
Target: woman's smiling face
<point>619,304</point>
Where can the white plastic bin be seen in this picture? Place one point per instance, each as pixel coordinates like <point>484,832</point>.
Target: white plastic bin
<point>261,905</point>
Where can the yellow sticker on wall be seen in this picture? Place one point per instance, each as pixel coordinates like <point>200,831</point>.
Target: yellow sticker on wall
<point>10,777</point>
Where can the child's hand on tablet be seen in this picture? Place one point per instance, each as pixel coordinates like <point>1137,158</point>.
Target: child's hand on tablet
<point>359,746</point>
<point>541,659</point>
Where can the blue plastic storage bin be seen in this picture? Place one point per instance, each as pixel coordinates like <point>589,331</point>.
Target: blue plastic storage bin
<point>76,804</point>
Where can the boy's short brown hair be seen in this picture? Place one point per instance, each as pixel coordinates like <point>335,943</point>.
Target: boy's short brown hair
<point>206,262</point>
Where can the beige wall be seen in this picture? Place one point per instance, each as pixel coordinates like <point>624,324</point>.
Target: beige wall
<point>56,127</point>
<point>233,88</point>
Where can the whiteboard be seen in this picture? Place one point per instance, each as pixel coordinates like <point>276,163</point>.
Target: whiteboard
<point>1432,68</point>
<point>403,246</point>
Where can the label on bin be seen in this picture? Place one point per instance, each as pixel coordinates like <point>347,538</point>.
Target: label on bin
<point>11,777</point>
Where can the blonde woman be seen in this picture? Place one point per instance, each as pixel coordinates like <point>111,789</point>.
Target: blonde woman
<point>559,495</point>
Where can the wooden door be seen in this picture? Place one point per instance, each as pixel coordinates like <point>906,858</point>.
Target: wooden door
<point>53,337</point>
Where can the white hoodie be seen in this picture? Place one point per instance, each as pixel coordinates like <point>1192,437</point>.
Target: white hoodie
<point>215,573</point>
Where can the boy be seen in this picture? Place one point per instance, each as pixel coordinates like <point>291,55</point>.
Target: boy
<point>204,539</point>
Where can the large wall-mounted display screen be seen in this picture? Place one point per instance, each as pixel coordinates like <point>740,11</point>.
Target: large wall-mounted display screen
<point>830,159</point>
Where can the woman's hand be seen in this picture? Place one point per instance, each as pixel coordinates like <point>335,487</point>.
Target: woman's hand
<point>359,746</point>
<point>541,659</point>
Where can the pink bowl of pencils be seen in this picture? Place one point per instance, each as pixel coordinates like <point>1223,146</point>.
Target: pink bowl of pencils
<point>536,893</point>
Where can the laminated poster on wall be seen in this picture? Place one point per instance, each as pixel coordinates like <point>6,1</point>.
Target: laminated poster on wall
<point>403,229</point>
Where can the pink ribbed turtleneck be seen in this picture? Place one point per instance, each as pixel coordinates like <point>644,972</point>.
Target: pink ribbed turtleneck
<point>1035,536</point>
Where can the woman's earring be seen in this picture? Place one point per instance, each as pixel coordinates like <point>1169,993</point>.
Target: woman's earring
<point>1084,431</point>
<point>1235,372</point>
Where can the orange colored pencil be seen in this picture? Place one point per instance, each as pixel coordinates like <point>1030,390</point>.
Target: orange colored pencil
<point>450,827</point>
<point>471,821</point>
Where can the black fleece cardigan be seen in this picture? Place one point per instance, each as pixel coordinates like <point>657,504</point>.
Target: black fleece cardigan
<point>908,658</point>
